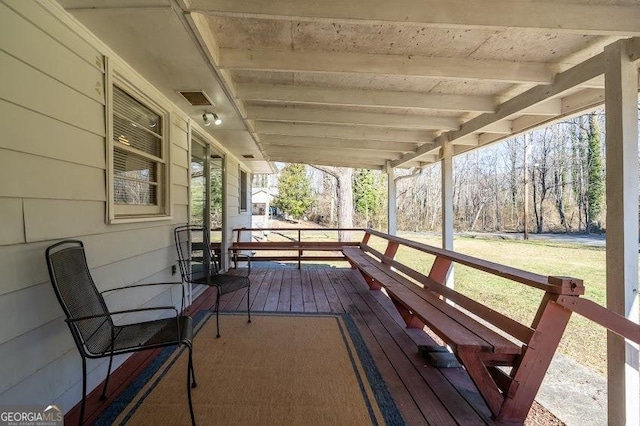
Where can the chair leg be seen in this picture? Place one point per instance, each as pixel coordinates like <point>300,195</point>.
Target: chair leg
<point>218,312</point>
<point>248,304</point>
<point>190,385</point>
<point>84,390</point>
<point>106,381</point>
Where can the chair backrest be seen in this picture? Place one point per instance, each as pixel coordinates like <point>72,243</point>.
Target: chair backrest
<point>78,295</point>
<point>196,258</point>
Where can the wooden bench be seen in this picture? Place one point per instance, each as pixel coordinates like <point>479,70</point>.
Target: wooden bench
<point>297,246</point>
<point>469,327</point>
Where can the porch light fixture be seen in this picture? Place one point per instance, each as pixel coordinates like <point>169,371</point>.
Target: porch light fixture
<point>209,117</point>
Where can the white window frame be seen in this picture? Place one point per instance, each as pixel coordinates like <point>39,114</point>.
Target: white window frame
<point>137,213</point>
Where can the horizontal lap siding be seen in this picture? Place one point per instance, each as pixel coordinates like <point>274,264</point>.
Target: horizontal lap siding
<point>52,187</point>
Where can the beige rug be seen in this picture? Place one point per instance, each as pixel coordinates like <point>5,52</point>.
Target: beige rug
<point>279,370</point>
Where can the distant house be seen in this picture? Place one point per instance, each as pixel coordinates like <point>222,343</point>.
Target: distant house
<point>259,200</point>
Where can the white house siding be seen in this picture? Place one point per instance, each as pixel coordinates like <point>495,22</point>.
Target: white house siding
<point>53,187</point>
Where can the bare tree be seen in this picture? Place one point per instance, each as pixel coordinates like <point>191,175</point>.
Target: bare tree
<point>344,188</point>
<point>539,177</point>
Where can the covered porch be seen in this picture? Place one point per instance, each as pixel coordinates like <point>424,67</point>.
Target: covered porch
<point>113,109</point>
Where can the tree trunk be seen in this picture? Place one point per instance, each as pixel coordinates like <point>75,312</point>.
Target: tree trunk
<point>344,188</point>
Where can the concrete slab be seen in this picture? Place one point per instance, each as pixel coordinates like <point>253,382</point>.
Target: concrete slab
<point>573,393</point>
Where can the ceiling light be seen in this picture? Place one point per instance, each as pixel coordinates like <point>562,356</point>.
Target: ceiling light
<point>209,117</point>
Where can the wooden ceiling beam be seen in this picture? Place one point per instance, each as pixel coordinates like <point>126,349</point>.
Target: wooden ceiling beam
<point>359,97</point>
<point>334,143</point>
<point>493,14</point>
<point>342,132</point>
<point>326,116</point>
<point>366,63</point>
<point>342,153</point>
<point>357,164</point>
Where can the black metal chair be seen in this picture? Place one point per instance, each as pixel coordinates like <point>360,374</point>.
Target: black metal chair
<point>198,265</point>
<point>92,325</point>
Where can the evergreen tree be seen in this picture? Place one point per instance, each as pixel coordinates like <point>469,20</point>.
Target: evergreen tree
<point>294,191</point>
<point>367,194</point>
<point>595,185</point>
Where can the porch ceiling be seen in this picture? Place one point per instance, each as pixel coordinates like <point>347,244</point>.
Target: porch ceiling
<point>360,83</point>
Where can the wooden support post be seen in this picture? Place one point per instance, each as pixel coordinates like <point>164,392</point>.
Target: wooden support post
<point>621,99</point>
<point>446,155</point>
<point>392,226</point>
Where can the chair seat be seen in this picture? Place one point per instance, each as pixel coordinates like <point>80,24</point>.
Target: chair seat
<point>149,334</point>
<point>227,283</point>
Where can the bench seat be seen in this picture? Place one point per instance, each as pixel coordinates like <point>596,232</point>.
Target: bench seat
<point>457,329</point>
<point>482,339</point>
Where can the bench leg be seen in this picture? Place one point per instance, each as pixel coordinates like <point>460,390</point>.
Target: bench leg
<point>410,320</point>
<point>550,323</point>
<point>483,380</point>
<point>373,284</point>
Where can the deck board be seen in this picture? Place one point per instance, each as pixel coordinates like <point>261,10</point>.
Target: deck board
<point>308,297</point>
<point>434,378</point>
<point>297,303</point>
<point>424,395</point>
<point>273,296</point>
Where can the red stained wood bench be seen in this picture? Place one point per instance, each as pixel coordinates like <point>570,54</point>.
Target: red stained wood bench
<point>296,248</point>
<point>467,326</point>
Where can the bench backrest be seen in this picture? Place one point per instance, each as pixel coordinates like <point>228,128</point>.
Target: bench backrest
<point>436,279</point>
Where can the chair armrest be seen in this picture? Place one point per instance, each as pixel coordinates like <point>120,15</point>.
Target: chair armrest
<point>126,311</point>
<point>148,285</point>
<point>247,258</point>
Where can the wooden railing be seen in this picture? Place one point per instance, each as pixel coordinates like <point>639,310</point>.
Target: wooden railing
<point>292,244</point>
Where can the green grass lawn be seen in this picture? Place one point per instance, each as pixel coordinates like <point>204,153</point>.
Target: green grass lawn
<point>583,341</point>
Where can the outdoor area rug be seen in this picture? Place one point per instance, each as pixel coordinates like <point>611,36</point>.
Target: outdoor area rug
<point>284,369</point>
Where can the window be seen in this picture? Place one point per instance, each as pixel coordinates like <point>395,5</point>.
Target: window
<point>138,163</point>
<point>243,191</point>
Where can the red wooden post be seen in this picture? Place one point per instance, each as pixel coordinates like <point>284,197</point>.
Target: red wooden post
<point>390,252</point>
<point>409,318</point>
<point>365,238</point>
<point>373,284</point>
<point>549,323</point>
<point>482,378</point>
<point>440,269</point>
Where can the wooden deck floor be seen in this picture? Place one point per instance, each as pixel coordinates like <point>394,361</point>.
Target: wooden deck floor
<point>424,395</point>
